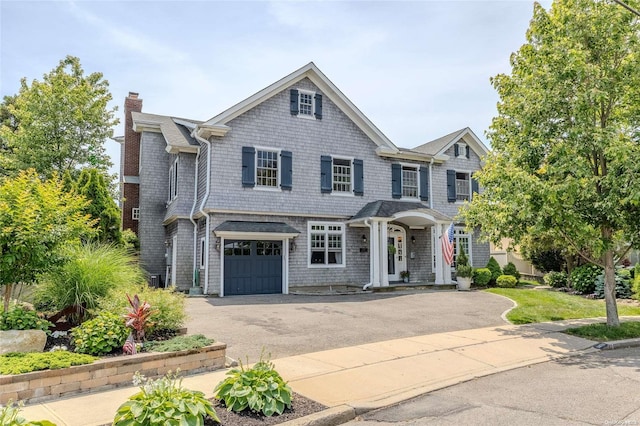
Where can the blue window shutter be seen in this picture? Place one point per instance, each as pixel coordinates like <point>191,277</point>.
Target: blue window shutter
<point>468,150</point>
<point>456,149</point>
<point>396,181</point>
<point>318,109</point>
<point>325,174</point>
<point>294,102</point>
<point>451,186</point>
<point>475,188</point>
<point>248,166</point>
<point>424,183</point>
<point>286,167</point>
<point>358,177</point>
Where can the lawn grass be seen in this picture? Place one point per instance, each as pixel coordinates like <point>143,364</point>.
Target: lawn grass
<point>545,305</point>
<point>603,333</point>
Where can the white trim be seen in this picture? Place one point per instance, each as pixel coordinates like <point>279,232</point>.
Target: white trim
<point>311,116</point>
<point>393,231</point>
<point>350,160</point>
<point>470,139</point>
<point>221,254</point>
<point>174,257</point>
<point>267,236</point>
<point>278,152</point>
<point>417,168</point>
<point>268,213</point>
<point>326,232</point>
<point>460,232</point>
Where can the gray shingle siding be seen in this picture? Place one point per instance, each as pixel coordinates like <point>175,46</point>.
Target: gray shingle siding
<point>183,264</point>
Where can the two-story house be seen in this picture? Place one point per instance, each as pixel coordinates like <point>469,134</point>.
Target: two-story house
<point>292,187</point>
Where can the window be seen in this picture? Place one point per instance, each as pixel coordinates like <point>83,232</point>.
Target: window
<point>306,103</point>
<point>173,181</point>
<point>342,175</point>
<point>410,181</point>
<point>135,213</point>
<point>267,168</point>
<point>237,248</point>
<point>203,252</point>
<point>461,150</point>
<point>326,244</point>
<point>463,189</point>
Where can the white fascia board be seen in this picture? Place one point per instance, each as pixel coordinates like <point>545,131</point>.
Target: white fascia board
<point>172,149</point>
<point>205,131</point>
<point>416,156</point>
<point>146,126</point>
<point>234,235</point>
<point>267,213</point>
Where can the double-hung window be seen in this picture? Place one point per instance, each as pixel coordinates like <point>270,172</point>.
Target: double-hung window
<point>267,168</point>
<point>463,188</point>
<point>410,181</point>
<point>342,177</point>
<point>460,186</point>
<point>306,104</point>
<point>173,181</point>
<point>326,244</point>
<point>135,213</point>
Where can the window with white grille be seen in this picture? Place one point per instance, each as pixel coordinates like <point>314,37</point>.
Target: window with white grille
<point>342,178</point>
<point>267,168</point>
<point>409,182</point>
<point>326,244</point>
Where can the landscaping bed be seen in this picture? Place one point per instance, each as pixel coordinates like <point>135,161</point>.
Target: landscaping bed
<point>108,373</point>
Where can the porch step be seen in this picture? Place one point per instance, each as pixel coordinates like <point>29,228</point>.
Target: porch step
<point>413,286</point>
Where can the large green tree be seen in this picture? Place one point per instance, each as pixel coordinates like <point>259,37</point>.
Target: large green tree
<point>566,154</point>
<point>37,218</point>
<point>102,208</point>
<point>59,123</point>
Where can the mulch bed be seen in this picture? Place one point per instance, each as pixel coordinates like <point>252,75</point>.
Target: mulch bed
<point>300,407</point>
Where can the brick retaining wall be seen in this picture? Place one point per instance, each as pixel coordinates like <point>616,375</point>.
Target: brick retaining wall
<point>108,373</point>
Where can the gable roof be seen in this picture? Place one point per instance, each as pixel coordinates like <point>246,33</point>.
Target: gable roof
<point>176,131</point>
<point>437,147</point>
<point>328,89</point>
<point>387,209</point>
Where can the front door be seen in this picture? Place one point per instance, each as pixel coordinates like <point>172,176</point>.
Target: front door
<point>397,261</point>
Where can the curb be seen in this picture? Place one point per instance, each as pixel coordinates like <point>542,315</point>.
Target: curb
<point>330,417</point>
<point>618,344</point>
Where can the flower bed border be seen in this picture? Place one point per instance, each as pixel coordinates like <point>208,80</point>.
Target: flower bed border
<point>108,373</point>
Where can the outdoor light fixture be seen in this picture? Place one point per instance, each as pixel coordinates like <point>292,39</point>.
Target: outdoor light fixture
<point>218,244</point>
<point>364,239</point>
<point>292,246</point>
<point>167,243</point>
<point>413,239</point>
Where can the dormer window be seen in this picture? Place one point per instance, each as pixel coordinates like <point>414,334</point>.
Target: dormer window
<point>306,103</point>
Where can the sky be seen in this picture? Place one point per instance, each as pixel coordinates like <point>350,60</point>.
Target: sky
<point>417,69</point>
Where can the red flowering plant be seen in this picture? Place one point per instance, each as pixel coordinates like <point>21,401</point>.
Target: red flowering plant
<point>138,316</point>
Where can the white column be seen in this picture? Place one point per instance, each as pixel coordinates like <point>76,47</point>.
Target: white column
<point>285,266</point>
<point>384,255</point>
<point>438,251</point>
<point>374,256</point>
<point>446,268</point>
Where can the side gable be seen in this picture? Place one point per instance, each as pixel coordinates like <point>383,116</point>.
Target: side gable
<point>327,88</point>
<point>176,131</point>
<point>438,147</point>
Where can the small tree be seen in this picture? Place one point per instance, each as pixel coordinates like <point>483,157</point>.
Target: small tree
<point>495,269</point>
<point>36,219</point>
<point>91,185</point>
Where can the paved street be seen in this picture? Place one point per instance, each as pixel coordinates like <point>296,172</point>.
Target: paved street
<point>599,388</point>
<point>286,325</point>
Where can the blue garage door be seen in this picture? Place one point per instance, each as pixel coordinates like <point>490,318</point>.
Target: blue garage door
<point>252,267</point>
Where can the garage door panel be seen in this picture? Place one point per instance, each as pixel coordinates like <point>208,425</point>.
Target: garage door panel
<point>252,267</point>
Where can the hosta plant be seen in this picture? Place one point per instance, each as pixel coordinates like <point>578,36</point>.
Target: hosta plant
<point>260,389</point>
<point>9,416</point>
<point>164,402</point>
<point>101,335</point>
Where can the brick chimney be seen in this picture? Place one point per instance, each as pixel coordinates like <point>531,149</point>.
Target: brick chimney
<point>129,164</point>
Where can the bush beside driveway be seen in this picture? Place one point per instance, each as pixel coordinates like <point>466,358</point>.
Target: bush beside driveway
<point>286,325</point>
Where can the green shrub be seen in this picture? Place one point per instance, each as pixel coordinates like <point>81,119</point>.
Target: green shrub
<point>506,281</point>
<point>495,269</point>
<point>556,279</point>
<point>168,304</point>
<point>89,274</point>
<point>26,362</point>
<point>19,318</point>
<point>260,389</point>
<point>9,416</point>
<point>164,402</point>
<point>623,285</point>
<point>481,276</point>
<point>583,278</point>
<point>178,343</point>
<point>510,269</point>
<point>101,335</point>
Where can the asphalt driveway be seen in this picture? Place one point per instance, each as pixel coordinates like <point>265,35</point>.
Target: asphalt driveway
<point>284,325</point>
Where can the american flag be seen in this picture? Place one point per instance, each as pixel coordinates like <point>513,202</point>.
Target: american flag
<point>129,347</point>
<point>447,245</point>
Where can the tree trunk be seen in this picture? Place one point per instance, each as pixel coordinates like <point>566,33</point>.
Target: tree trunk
<point>610,290</point>
<point>8,289</point>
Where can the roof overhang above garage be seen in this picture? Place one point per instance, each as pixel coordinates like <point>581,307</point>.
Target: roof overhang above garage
<point>242,230</point>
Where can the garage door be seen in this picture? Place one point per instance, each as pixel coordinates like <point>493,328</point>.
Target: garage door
<point>252,267</point>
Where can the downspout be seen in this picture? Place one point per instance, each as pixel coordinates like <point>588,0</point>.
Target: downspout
<point>195,224</point>
<point>370,283</point>
<point>431,184</point>
<point>205,198</point>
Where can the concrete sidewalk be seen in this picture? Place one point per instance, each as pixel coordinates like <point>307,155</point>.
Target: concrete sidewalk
<point>356,379</point>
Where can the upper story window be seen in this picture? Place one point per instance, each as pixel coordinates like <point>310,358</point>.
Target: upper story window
<point>410,181</point>
<point>461,149</point>
<point>267,168</point>
<point>326,244</point>
<point>173,181</point>
<point>460,186</point>
<point>305,103</point>
<point>341,175</point>
<point>135,213</point>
